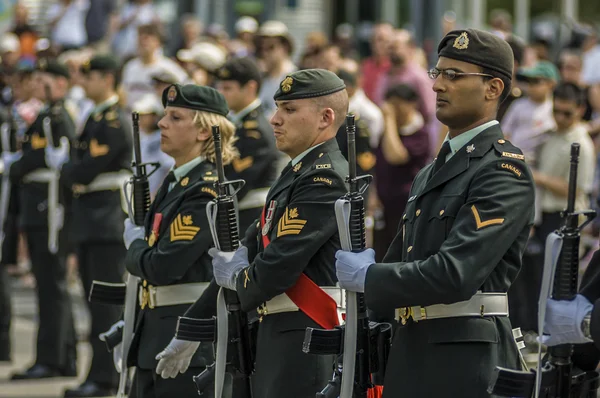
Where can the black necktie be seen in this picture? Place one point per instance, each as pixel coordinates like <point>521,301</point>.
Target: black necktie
<point>441,157</point>
<point>164,188</point>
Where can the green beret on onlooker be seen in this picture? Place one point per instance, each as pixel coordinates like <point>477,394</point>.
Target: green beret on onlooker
<point>541,70</point>
<point>479,48</point>
<point>101,63</point>
<point>52,67</point>
<point>200,98</point>
<point>308,83</point>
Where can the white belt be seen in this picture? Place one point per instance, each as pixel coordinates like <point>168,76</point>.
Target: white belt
<point>481,304</point>
<point>104,182</point>
<point>40,175</point>
<point>161,296</point>
<point>283,303</point>
<point>253,199</point>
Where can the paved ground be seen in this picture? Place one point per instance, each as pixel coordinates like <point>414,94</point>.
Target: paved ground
<point>23,335</point>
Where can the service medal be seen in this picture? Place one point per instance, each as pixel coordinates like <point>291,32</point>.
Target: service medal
<point>155,227</point>
<point>269,218</point>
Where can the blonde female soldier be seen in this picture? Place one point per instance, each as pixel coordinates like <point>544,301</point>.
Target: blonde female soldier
<point>170,253</point>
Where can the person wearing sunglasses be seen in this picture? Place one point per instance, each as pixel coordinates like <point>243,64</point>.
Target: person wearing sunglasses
<point>460,240</point>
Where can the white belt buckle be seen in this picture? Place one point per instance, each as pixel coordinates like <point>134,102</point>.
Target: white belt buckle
<point>151,296</point>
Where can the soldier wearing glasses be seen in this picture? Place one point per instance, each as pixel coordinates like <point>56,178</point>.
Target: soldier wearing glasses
<point>461,237</point>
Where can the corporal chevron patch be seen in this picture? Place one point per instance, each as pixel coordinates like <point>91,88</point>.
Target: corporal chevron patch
<point>182,228</point>
<point>289,223</point>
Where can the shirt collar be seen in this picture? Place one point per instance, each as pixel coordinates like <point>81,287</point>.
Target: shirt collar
<point>236,118</point>
<point>106,104</point>
<point>184,169</point>
<point>463,139</point>
<point>303,154</point>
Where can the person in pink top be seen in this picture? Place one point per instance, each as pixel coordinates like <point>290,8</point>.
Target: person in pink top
<point>378,64</point>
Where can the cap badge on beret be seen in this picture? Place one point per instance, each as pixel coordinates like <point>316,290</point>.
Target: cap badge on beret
<point>286,84</point>
<point>172,94</point>
<point>461,42</point>
<point>86,66</point>
<point>224,73</point>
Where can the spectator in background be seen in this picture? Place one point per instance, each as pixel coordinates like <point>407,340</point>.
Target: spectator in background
<point>191,32</point>
<point>202,61</point>
<point>10,51</point>
<point>501,23</point>
<point>403,150</point>
<point>76,101</point>
<point>151,110</point>
<point>591,57</point>
<point>541,48</point>
<point>529,118</point>
<point>330,58</point>
<point>136,80</point>
<point>344,39</point>
<point>26,33</point>
<point>518,47</point>
<point>100,23</point>
<point>163,79</point>
<point>360,104</point>
<point>315,41</point>
<point>243,45</point>
<point>134,14</point>
<point>378,64</point>
<point>275,50</point>
<point>67,24</point>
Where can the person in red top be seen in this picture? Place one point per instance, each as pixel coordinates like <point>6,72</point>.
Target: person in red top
<point>378,64</point>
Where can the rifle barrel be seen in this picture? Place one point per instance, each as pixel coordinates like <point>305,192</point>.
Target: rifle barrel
<point>573,177</point>
<point>351,132</point>
<point>216,132</point>
<point>135,118</point>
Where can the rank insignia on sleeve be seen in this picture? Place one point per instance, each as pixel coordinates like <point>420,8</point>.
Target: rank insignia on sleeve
<point>185,181</point>
<point>482,224</point>
<point>97,150</point>
<point>240,165</point>
<point>210,191</point>
<point>289,223</point>
<point>182,228</point>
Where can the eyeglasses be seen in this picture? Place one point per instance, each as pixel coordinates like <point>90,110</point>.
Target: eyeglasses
<point>567,114</point>
<point>451,74</point>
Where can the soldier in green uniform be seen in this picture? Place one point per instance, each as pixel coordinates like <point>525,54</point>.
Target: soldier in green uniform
<point>239,82</point>
<point>461,238</point>
<point>170,253</point>
<point>285,266</point>
<point>56,355</point>
<point>100,163</point>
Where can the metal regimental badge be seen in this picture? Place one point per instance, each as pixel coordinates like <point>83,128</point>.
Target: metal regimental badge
<point>172,94</point>
<point>461,42</point>
<point>470,148</point>
<point>286,84</point>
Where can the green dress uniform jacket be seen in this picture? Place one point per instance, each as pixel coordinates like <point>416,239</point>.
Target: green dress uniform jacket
<point>464,230</point>
<point>105,146</point>
<point>33,196</point>
<point>178,255</point>
<point>303,239</point>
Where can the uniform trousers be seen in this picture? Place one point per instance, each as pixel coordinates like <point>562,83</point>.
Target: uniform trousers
<point>102,261</point>
<point>148,384</point>
<point>56,342</point>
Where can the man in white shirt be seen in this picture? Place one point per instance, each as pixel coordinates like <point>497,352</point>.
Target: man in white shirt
<point>137,73</point>
<point>67,23</point>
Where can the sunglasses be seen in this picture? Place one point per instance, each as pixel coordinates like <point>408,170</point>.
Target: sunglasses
<point>567,114</point>
<point>451,74</point>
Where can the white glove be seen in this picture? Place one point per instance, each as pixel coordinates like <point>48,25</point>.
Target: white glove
<point>8,158</point>
<point>563,321</point>
<point>175,358</point>
<point>57,157</point>
<point>118,357</point>
<point>131,233</point>
<point>351,268</point>
<point>227,265</point>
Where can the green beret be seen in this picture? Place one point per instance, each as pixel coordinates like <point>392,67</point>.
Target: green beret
<point>541,70</point>
<point>241,70</point>
<point>52,67</point>
<point>102,63</point>
<point>479,48</point>
<point>200,98</point>
<point>308,83</point>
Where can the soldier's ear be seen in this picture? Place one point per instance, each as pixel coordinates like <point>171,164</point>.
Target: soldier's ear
<point>327,118</point>
<point>203,134</point>
<point>494,89</point>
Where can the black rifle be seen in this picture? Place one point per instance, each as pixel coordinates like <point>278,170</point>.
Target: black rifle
<point>224,226</point>
<point>558,378</point>
<point>368,341</point>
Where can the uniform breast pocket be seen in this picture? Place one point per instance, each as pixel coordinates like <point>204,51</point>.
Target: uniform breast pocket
<point>445,214</point>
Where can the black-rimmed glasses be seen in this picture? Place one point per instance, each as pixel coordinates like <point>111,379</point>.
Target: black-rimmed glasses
<point>451,74</point>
